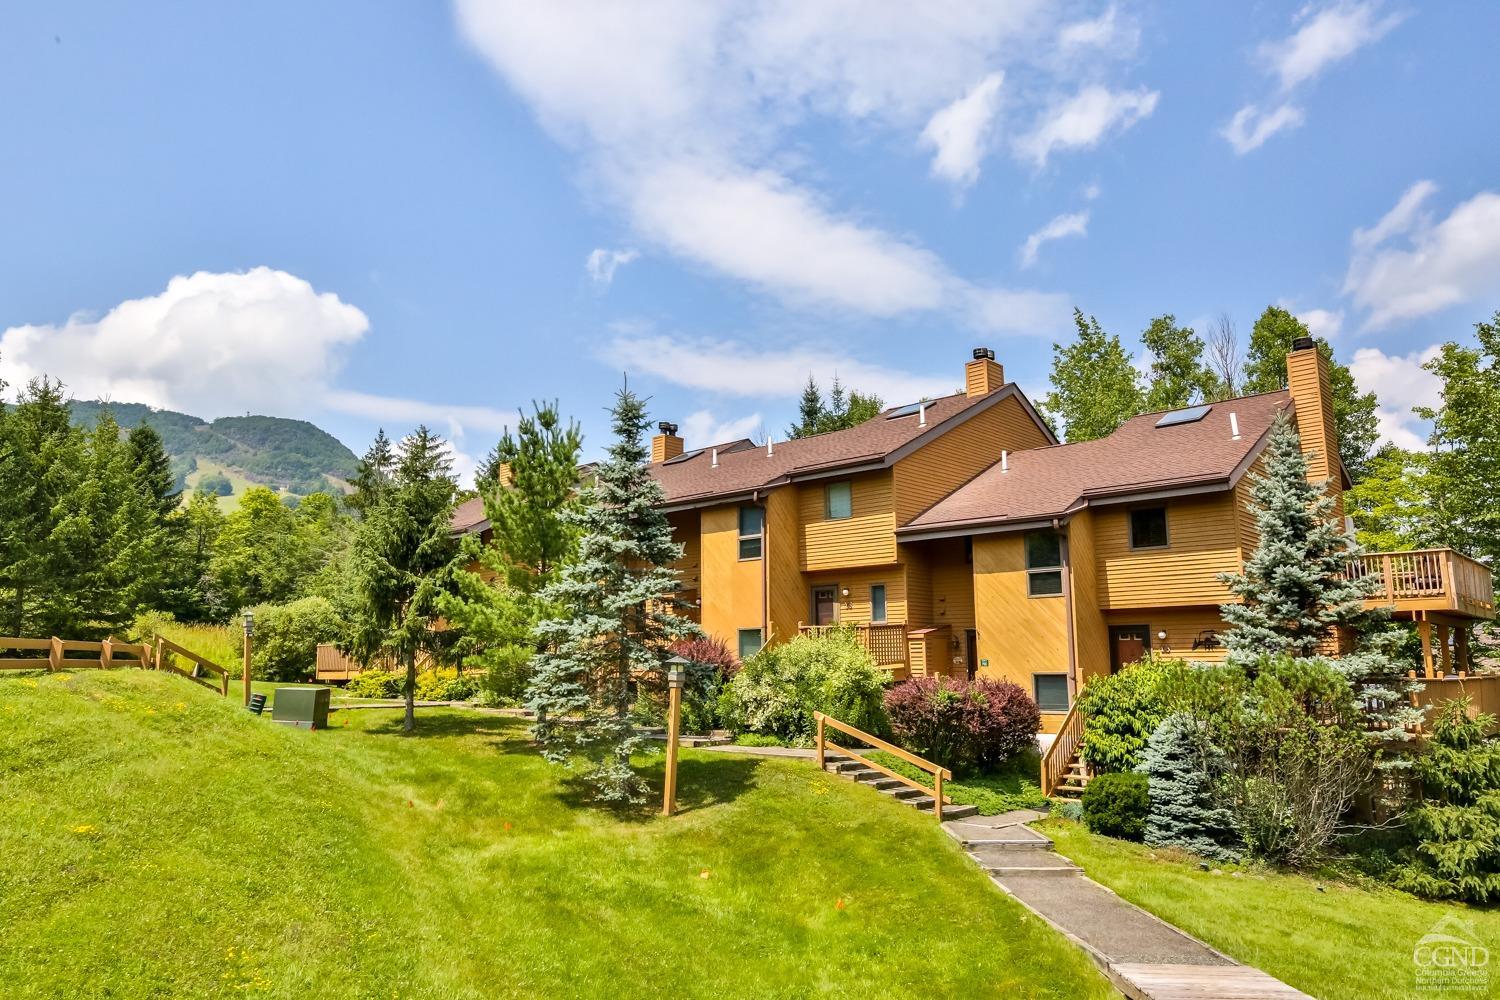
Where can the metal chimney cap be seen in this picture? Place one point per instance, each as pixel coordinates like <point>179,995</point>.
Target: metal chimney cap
<point>983,354</point>
<point>1304,344</point>
<point>667,428</point>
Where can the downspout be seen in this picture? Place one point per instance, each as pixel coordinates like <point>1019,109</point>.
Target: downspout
<point>765,570</point>
<point>1067,582</point>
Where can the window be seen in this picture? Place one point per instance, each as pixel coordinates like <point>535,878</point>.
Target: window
<point>1051,691</point>
<point>749,642</point>
<point>839,501</point>
<point>1043,564</point>
<point>877,603</point>
<point>752,531</point>
<point>1148,528</point>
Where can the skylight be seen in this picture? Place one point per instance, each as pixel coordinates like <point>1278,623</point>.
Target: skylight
<point>685,456</point>
<point>1191,415</point>
<point>903,411</point>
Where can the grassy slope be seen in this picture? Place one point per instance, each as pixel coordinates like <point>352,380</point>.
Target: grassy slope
<point>1346,941</point>
<point>236,479</point>
<point>159,841</point>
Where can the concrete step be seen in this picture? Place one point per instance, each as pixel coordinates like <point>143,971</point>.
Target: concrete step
<point>951,813</point>
<point>1010,858</point>
<point>705,741</point>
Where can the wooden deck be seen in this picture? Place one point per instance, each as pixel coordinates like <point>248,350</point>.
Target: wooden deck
<point>886,641</point>
<point>1426,581</point>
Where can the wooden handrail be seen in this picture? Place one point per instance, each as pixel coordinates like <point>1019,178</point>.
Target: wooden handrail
<point>1064,746</point>
<point>107,651</point>
<point>938,773</point>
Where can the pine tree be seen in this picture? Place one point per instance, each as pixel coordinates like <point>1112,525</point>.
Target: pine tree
<point>809,412</point>
<point>1297,592</point>
<point>1457,826</point>
<point>619,615</point>
<point>374,474</point>
<point>1095,387</point>
<point>1184,766</point>
<point>403,562</point>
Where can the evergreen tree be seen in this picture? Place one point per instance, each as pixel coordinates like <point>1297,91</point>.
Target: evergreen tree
<point>153,472</point>
<point>1457,825</point>
<point>1296,591</point>
<point>809,411</point>
<point>1353,411</point>
<point>619,615</point>
<point>374,474</point>
<point>1178,377</point>
<point>403,561</point>
<point>1184,768</point>
<point>499,606</point>
<point>260,554</point>
<point>1095,387</point>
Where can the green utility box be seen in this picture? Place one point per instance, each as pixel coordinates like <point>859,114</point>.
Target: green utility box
<point>306,708</point>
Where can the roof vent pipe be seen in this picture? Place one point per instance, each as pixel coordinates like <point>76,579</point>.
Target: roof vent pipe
<point>922,414</point>
<point>714,459</point>
<point>1004,460</point>
<point>770,446</point>
<point>1234,426</point>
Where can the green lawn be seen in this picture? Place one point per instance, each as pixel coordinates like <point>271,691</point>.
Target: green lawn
<point>1329,938</point>
<point>159,841</point>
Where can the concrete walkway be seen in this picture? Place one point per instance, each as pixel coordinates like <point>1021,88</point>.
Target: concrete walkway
<point>1144,956</point>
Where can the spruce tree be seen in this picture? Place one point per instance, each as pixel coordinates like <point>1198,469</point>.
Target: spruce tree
<point>1184,767</point>
<point>403,562</point>
<point>374,474</point>
<point>619,616</point>
<point>1297,592</point>
<point>809,411</point>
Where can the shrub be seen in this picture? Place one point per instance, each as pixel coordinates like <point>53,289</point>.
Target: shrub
<point>962,724</point>
<point>285,646</point>
<point>1117,805</point>
<point>1457,825</point>
<point>1121,711</point>
<point>1184,771</point>
<point>445,685</point>
<point>777,690</point>
<point>710,666</point>
<point>375,683</point>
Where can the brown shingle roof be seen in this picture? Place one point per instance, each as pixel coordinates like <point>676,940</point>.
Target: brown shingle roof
<point>694,479</point>
<point>468,517</point>
<point>1138,457</point>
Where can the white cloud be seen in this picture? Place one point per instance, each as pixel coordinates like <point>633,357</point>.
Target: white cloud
<point>736,369</point>
<point>1326,36</point>
<point>1323,323</point>
<point>1332,34</point>
<point>702,428</point>
<point>602,263</point>
<point>393,411</point>
<point>712,97</point>
<point>1250,126</point>
<point>1107,31</point>
<point>1408,265</point>
<point>960,132</point>
<point>1072,224</point>
<point>1084,120</point>
<point>1399,383</point>
<point>209,344</point>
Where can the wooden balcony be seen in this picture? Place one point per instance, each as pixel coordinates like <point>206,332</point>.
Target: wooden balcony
<point>886,641</point>
<point>1429,580</point>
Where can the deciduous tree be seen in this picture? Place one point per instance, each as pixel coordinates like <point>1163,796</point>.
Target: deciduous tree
<point>1095,387</point>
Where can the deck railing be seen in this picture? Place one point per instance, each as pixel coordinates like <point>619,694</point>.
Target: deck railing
<point>108,654</point>
<point>1429,575</point>
<point>1060,754</point>
<point>886,641</point>
<point>939,774</point>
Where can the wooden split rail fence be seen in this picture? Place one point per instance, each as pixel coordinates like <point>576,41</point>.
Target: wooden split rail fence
<point>108,654</point>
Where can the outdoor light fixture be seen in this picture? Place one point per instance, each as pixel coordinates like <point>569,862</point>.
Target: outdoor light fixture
<point>845,591</point>
<point>249,622</point>
<point>1162,635</point>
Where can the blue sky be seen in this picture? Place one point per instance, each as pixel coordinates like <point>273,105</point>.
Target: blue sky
<point>374,214</point>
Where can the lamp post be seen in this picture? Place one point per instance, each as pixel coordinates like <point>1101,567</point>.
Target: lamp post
<point>676,675</point>
<point>249,621</point>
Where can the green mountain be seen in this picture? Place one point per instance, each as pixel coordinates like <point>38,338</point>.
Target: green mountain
<point>293,456</point>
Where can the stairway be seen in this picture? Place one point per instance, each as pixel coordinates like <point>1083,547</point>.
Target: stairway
<point>1075,779</point>
<point>847,767</point>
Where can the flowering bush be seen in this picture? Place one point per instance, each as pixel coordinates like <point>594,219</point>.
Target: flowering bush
<point>776,691</point>
<point>963,724</point>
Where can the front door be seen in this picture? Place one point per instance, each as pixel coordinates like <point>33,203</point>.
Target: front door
<point>1128,644</point>
<point>825,605</point>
